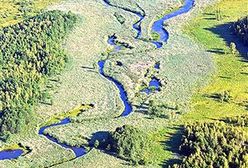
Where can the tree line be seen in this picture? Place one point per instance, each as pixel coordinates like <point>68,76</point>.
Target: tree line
<point>213,145</point>
<point>30,52</point>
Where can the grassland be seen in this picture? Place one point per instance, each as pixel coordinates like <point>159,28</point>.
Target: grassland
<point>231,69</point>
<point>182,77</point>
<point>82,83</point>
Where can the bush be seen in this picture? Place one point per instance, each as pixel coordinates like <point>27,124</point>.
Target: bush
<point>131,143</point>
<point>120,18</point>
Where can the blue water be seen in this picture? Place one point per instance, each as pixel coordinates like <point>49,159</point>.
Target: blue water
<point>154,85</point>
<point>123,94</point>
<point>78,151</point>
<point>158,25</point>
<point>164,36</point>
<point>112,41</point>
<point>157,65</point>
<point>10,154</point>
<point>136,25</point>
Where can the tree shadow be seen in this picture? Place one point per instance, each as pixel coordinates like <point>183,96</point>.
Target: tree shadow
<point>214,96</point>
<point>225,32</point>
<point>225,77</point>
<point>216,51</point>
<point>104,138</point>
<point>172,145</point>
<point>100,136</point>
<point>208,14</point>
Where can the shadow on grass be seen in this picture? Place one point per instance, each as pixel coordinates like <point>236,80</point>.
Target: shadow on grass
<point>215,96</point>
<point>217,51</point>
<point>225,32</point>
<point>100,136</point>
<point>172,145</point>
<point>103,137</point>
<point>225,77</point>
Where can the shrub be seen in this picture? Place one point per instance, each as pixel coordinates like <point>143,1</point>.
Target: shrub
<point>120,18</point>
<point>131,143</point>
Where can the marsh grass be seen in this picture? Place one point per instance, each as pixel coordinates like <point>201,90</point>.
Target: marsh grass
<point>163,136</point>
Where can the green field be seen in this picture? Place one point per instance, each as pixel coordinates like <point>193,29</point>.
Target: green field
<point>204,80</point>
<point>231,69</point>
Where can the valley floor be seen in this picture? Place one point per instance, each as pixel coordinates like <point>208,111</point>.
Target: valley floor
<point>195,63</point>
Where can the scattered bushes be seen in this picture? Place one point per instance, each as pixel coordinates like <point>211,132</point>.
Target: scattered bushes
<point>241,29</point>
<point>30,51</point>
<point>162,110</point>
<point>213,145</point>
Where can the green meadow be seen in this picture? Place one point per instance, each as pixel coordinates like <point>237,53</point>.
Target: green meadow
<point>203,74</point>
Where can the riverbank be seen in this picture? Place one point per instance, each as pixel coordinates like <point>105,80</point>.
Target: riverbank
<point>177,87</point>
<point>83,84</point>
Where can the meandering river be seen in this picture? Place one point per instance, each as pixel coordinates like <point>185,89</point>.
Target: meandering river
<point>159,28</point>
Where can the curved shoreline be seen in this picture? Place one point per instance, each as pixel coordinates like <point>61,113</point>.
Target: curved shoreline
<point>123,94</point>
<point>11,154</point>
<point>78,151</point>
<point>158,26</point>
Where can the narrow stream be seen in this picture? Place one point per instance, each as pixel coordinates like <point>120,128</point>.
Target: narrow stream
<point>78,151</point>
<point>136,25</point>
<point>123,94</point>
<point>157,27</point>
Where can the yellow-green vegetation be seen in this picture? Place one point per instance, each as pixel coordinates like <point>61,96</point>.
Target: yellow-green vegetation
<point>231,70</point>
<point>226,94</point>
<point>220,99</point>
<point>70,114</point>
<point>30,52</point>
<point>11,12</point>
<point>213,145</point>
<point>10,147</point>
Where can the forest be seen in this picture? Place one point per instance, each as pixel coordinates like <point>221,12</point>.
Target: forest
<point>241,29</point>
<point>30,52</point>
<point>218,144</point>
